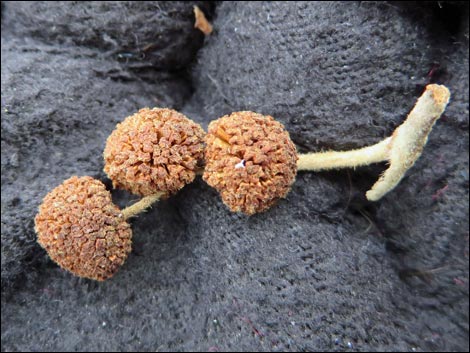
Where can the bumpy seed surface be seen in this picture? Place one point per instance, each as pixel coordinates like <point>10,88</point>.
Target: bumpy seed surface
<point>250,160</point>
<point>154,150</point>
<point>82,230</point>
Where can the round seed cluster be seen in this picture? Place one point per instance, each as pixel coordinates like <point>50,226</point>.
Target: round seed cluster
<point>154,150</point>
<point>250,160</point>
<point>82,230</point>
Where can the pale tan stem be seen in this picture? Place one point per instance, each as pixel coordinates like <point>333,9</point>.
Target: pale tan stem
<point>345,159</point>
<point>140,205</point>
<point>409,138</point>
<point>402,149</point>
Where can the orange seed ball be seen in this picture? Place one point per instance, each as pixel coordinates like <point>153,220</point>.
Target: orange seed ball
<point>250,160</point>
<point>82,230</point>
<point>154,150</point>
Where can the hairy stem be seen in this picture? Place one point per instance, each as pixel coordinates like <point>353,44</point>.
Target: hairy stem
<point>409,139</point>
<point>401,150</point>
<point>140,205</point>
<point>335,160</point>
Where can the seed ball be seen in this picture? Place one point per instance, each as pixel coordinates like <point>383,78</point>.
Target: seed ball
<point>154,151</point>
<point>82,230</point>
<point>251,160</point>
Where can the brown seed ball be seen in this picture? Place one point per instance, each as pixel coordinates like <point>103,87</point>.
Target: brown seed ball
<point>82,230</point>
<point>154,150</point>
<point>250,160</point>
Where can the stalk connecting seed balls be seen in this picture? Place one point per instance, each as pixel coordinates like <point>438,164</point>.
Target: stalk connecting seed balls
<point>250,160</point>
<point>82,230</point>
<point>153,151</point>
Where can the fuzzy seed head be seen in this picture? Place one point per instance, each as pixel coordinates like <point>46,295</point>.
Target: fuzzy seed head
<point>153,151</point>
<point>82,230</point>
<point>250,160</point>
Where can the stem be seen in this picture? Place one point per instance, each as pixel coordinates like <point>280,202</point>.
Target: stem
<point>355,158</point>
<point>140,205</point>
<point>410,138</point>
<point>402,149</point>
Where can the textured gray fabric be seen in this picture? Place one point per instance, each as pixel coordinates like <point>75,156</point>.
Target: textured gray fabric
<point>322,270</point>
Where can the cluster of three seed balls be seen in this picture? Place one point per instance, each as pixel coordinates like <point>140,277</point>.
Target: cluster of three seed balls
<point>249,158</point>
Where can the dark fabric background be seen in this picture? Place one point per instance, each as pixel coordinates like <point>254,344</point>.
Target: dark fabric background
<point>322,270</point>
